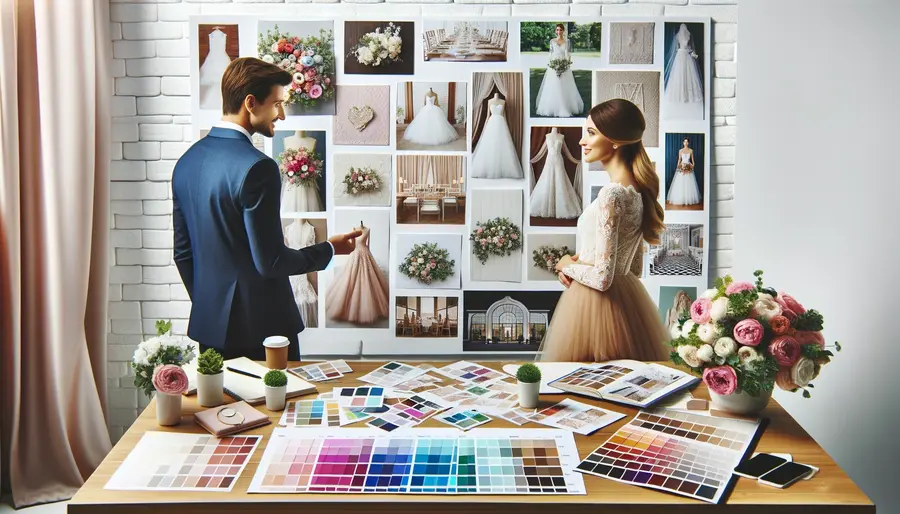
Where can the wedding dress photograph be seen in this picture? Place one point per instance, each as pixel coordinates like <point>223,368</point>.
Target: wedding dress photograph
<point>358,293</point>
<point>557,176</point>
<point>683,81</point>
<point>300,155</point>
<point>679,252</point>
<point>684,172</point>
<point>497,125</point>
<point>560,92</point>
<point>431,116</point>
<point>217,46</point>
<point>300,233</point>
<point>585,40</point>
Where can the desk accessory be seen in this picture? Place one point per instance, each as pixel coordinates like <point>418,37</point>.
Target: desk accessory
<point>627,382</point>
<point>786,474</point>
<point>759,465</point>
<point>276,389</point>
<point>210,378</point>
<point>528,378</point>
<point>245,373</point>
<point>230,419</point>
<point>276,352</point>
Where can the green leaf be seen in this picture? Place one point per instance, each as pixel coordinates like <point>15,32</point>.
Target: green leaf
<point>806,393</point>
<point>810,385</point>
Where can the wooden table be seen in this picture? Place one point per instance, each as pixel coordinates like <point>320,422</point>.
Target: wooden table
<point>830,491</point>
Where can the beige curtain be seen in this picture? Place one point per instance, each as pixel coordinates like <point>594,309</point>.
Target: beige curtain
<point>55,96</point>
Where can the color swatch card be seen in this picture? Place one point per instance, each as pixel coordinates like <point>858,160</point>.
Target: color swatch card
<point>516,416</point>
<point>497,400</point>
<point>168,461</point>
<point>319,371</point>
<point>676,451</point>
<point>362,397</point>
<point>429,461</point>
<point>311,413</point>
<point>409,412</point>
<point>463,418</point>
<point>392,374</point>
<point>578,417</point>
<point>420,383</point>
<point>470,372</point>
<point>453,394</point>
<point>625,381</point>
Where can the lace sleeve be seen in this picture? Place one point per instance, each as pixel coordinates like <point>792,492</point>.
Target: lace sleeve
<point>600,274</point>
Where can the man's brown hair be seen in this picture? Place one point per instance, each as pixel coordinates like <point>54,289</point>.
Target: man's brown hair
<point>250,76</point>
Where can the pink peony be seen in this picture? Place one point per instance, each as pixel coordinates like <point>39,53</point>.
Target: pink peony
<point>700,310</point>
<point>805,337</point>
<point>737,287</point>
<point>748,332</point>
<point>315,91</point>
<point>785,349</point>
<point>170,379</point>
<point>721,379</point>
<point>789,306</point>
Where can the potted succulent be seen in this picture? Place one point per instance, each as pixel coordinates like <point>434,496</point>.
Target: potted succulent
<point>210,378</point>
<point>529,377</point>
<point>276,389</point>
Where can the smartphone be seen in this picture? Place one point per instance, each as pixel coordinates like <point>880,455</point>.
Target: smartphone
<point>785,475</point>
<point>758,465</point>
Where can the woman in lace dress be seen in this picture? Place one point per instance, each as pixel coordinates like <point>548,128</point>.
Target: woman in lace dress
<point>605,313</point>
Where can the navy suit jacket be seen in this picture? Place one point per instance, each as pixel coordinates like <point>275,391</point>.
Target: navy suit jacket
<point>229,244</point>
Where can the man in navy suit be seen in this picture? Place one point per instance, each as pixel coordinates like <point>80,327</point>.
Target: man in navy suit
<point>228,243</point>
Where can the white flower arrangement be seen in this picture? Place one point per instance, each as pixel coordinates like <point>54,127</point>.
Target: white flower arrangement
<point>378,48</point>
<point>157,351</point>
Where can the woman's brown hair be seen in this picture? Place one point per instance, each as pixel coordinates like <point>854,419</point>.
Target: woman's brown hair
<point>250,76</point>
<point>623,123</point>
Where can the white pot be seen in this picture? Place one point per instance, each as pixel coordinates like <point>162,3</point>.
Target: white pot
<point>168,409</point>
<point>529,394</point>
<point>740,403</point>
<point>210,389</point>
<point>275,397</point>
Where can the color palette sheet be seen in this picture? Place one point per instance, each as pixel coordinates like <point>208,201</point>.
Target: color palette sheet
<point>625,381</point>
<point>168,461</point>
<point>322,371</point>
<point>311,413</point>
<point>428,461</point>
<point>463,418</point>
<point>409,412</point>
<point>675,451</point>
<point>362,397</point>
<point>470,372</point>
<point>420,383</point>
<point>392,373</point>
<point>578,417</point>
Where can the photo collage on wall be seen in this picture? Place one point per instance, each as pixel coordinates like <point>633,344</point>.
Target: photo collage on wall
<point>453,145</point>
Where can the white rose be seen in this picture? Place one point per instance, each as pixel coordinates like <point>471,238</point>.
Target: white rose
<point>304,168</point>
<point>285,63</point>
<point>317,59</point>
<point>268,58</point>
<point>707,332</point>
<point>274,48</point>
<point>803,371</point>
<point>675,331</point>
<point>688,354</point>
<point>420,260</point>
<point>687,327</point>
<point>747,354</point>
<point>705,353</point>
<point>709,293</point>
<point>725,347</point>
<point>719,309</point>
<point>768,308</point>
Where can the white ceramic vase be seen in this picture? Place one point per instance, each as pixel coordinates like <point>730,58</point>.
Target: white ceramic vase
<point>210,389</point>
<point>740,403</point>
<point>168,409</point>
<point>275,397</point>
<point>529,394</point>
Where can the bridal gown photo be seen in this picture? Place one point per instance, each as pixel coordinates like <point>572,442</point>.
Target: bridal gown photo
<point>684,85</point>
<point>301,197</point>
<point>359,292</point>
<point>495,154</point>
<point>301,234</point>
<point>430,126</point>
<point>558,96</point>
<point>684,190</point>
<point>554,196</point>
<point>211,71</point>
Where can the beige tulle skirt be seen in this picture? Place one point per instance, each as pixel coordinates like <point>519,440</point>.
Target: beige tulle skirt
<point>589,325</point>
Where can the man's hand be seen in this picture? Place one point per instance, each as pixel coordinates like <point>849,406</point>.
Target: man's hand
<point>344,243</point>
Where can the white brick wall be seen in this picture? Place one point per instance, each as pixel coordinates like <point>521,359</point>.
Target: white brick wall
<point>152,108</point>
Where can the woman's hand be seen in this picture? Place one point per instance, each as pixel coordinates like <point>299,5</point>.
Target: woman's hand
<point>564,280</point>
<point>565,260</point>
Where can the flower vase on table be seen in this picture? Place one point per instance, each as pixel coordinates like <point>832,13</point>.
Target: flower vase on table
<point>170,382</point>
<point>157,368</point>
<point>744,339</point>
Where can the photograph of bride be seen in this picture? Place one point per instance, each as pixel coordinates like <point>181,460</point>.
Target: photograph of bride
<point>679,252</point>
<point>464,41</point>
<point>556,90</point>
<point>300,155</point>
<point>217,46</point>
<point>584,39</point>
<point>497,125</point>
<point>431,116</point>
<point>683,183</point>
<point>675,303</point>
<point>684,63</point>
<point>300,233</point>
<point>556,172</point>
<point>427,316</point>
<point>357,292</point>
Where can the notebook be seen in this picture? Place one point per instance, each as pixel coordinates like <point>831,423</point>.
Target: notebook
<point>249,389</point>
<point>218,420</point>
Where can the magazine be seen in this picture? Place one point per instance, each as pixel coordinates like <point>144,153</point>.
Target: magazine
<point>625,381</point>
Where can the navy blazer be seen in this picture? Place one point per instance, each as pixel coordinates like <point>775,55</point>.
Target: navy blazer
<point>229,244</point>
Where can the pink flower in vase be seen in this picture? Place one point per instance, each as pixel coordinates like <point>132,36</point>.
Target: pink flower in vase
<point>700,310</point>
<point>170,379</point>
<point>737,287</point>
<point>748,332</point>
<point>789,306</point>
<point>721,379</point>
<point>785,349</point>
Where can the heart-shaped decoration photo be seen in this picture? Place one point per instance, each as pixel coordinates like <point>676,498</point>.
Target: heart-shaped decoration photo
<point>360,116</point>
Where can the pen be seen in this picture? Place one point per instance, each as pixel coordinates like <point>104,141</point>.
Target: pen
<point>243,372</point>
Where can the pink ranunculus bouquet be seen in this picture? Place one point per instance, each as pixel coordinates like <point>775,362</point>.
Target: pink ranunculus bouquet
<point>764,339</point>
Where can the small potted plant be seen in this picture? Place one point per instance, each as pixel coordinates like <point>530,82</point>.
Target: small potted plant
<point>210,378</point>
<point>529,377</point>
<point>276,389</point>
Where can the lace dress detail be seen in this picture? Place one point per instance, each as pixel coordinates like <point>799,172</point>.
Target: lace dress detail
<point>609,237</point>
<point>301,234</point>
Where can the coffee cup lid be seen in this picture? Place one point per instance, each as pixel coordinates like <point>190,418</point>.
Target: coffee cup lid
<point>276,342</point>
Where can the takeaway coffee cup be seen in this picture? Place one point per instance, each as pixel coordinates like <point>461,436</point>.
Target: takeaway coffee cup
<point>276,352</point>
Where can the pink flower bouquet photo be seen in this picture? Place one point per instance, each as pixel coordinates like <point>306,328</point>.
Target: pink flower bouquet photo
<point>743,339</point>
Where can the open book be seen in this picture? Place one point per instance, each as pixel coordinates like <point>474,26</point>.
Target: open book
<point>247,388</point>
<point>625,381</point>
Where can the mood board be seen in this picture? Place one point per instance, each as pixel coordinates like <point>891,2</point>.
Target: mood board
<point>430,133</point>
